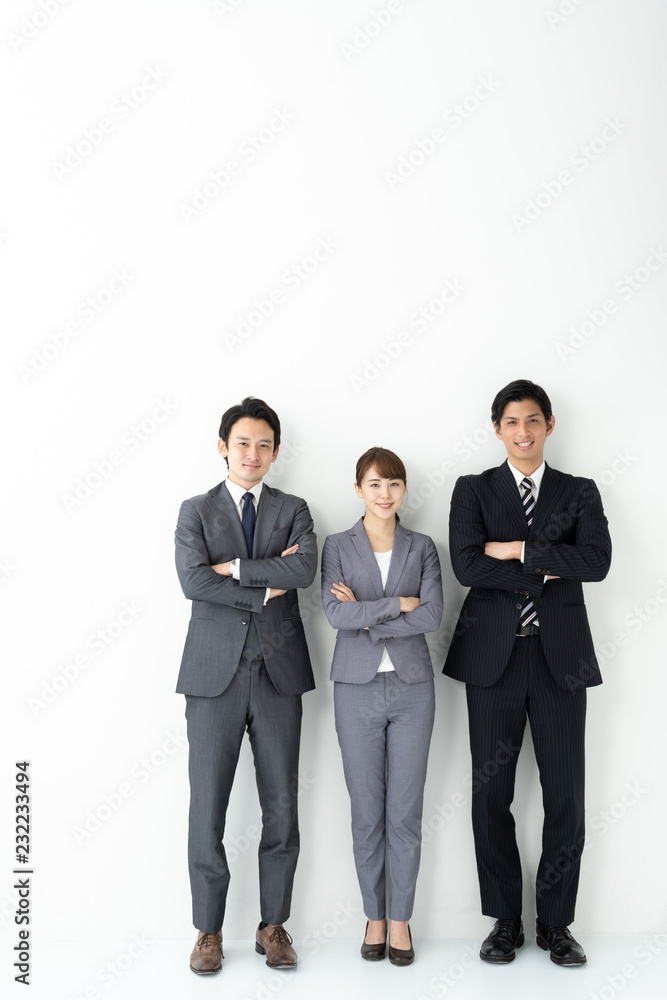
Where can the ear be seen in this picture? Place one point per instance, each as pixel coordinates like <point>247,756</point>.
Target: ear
<point>359,493</point>
<point>496,428</point>
<point>275,454</point>
<point>222,448</point>
<point>551,423</point>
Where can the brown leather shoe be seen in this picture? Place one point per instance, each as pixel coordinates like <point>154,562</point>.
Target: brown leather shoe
<point>206,957</point>
<point>274,942</point>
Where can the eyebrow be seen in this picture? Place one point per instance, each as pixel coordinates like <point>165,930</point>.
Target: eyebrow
<point>511,416</point>
<point>245,437</point>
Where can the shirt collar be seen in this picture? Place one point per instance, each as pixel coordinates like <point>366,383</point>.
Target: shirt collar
<point>238,492</point>
<point>535,476</point>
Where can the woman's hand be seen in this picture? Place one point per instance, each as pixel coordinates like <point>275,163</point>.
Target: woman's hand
<point>409,603</point>
<point>342,592</point>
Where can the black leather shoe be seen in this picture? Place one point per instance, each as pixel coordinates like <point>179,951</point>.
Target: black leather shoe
<point>402,956</point>
<point>373,952</point>
<point>558,940</point>
<point>502,942</point>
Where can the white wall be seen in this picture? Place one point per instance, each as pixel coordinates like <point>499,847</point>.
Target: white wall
<point>535,92</point>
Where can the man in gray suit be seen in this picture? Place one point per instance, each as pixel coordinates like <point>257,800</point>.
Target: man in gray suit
<point>242,550</point>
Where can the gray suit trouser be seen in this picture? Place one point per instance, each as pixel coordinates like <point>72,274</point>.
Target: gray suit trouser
<point>384,731</point>
<point>215,731</point>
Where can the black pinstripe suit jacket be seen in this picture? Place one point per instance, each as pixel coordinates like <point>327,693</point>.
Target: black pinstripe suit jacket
<point>568,538</point>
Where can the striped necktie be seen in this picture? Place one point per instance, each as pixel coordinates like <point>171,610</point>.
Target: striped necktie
<point>528,612</point>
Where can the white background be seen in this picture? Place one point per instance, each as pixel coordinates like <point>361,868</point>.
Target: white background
<point>557,280</point>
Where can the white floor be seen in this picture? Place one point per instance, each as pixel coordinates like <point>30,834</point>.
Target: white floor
<point>627,967</point>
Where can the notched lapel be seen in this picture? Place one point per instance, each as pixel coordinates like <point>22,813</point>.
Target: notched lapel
<point>226,519</point>
<point>363,547</point>
<point>267,514</point>
<point>402,544</point>
<point>551,488</point>
<point>504,485</point>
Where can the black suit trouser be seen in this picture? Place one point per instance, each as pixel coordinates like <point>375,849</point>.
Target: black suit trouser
<point>497,719</point>
<point>215,732</point>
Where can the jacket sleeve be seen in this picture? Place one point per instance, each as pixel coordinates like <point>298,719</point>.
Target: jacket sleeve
<point>426,618</point>
<point>467,536</point>
<point>588,560</point>
<point>288,572</point>
<point>193,565</point>
<point>350,614</point>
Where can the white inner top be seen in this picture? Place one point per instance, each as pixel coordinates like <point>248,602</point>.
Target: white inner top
<point>383,559</point>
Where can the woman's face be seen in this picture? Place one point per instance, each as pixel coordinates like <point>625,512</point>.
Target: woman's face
<point>383,497</point>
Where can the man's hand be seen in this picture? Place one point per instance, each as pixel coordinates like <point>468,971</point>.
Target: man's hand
<point>503,550</point>
<point>409,603</point>
<point>551,578</point>
<point>342,592</point>
<point>222,568</point>
<point>276,593</point>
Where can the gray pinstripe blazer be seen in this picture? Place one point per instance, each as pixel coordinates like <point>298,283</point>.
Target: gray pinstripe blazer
<point>208,532</point>
<point>414,571</point>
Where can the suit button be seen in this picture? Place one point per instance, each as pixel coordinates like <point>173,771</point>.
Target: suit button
<point>244,622</point>
<point>519,606</point>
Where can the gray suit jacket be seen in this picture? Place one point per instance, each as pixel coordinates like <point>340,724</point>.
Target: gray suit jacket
<point>414,571</point>
<point>209,531</point>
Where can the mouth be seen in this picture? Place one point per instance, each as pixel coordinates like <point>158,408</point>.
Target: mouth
<point>384,506</point>
<point>524,445</point>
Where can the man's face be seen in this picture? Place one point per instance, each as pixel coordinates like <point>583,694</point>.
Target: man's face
<point>249,451</point>
<point>523,430</point>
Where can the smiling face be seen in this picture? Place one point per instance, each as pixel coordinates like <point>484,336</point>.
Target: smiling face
<point>249,451</point>
<point>523,430</point>
<point>383,497</point>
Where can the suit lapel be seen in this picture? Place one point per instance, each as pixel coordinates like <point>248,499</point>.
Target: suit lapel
<point>551,487</point>
<point>363,547</point>
<point>267,513</point>
<point>504,485</point>
<point>402,543</point>
<point>226,516</point>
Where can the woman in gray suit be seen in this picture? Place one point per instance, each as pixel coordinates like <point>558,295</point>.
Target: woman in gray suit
<point>381,589</point>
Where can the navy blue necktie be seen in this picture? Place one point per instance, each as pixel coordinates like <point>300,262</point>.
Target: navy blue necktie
<point>248,521</point>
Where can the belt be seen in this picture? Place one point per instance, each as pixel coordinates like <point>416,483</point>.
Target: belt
<point>524,630</point>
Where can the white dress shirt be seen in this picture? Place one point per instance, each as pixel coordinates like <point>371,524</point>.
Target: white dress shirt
<point>237,494</point>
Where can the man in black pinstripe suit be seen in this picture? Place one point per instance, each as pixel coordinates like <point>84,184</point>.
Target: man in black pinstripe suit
<point>524,538</point>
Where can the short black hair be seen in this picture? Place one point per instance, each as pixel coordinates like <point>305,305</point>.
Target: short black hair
<point>254,408</point>
<point>517,391</point>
